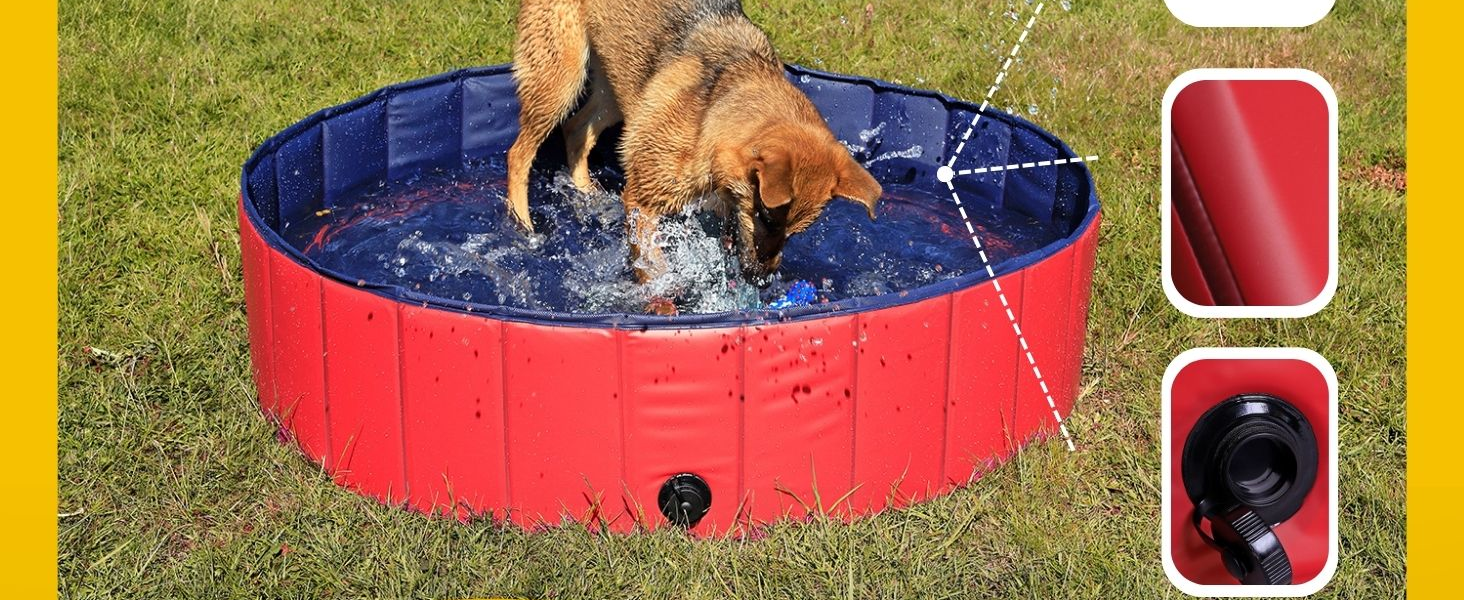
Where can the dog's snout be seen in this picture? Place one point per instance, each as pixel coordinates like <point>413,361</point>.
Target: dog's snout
<point>773,263</point>
<point>769,249</point>
<point>764,253</point>
<point>761,268</point>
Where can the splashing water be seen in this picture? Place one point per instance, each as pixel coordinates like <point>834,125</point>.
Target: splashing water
<point>869,134</point>
<point>448,235</point>
<point>871,142</point>
<point>911,152</point>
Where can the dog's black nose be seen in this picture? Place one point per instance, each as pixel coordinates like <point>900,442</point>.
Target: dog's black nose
<point>754,269</point>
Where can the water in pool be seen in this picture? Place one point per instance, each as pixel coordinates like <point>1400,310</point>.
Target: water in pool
<point>448,235</point>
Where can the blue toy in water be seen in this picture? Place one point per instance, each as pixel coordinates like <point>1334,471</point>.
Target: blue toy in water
<point>801,293</point>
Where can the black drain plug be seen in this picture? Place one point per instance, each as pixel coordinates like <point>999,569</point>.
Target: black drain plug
<point>1248,465</point>
<point>685,499</point>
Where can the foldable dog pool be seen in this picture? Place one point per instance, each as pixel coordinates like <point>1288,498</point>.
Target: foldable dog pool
<point>484,406</point>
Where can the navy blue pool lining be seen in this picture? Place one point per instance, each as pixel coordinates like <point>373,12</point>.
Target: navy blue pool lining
<point>275,242</point>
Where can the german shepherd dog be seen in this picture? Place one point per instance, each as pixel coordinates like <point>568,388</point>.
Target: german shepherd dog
<point>707,110</point>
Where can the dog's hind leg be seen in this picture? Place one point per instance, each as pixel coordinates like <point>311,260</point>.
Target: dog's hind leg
<point>599,113</point>
<point>549,59</point>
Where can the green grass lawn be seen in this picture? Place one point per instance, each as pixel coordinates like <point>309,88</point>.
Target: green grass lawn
<point>171,484</point>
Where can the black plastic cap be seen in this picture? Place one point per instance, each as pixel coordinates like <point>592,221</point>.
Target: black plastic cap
<point>685,499</point>
<point>1252,450</point>
<point>1251,550</point>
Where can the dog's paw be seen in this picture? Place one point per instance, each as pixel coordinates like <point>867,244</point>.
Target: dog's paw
<point>525,226</point>
<point>665,307</point>
<point>518,212</point>
<point>586,186</point>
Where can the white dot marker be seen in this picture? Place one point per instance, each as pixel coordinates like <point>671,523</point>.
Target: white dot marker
<point>944,174</point>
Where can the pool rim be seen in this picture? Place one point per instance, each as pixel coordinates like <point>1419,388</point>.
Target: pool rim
<point>275,241</point>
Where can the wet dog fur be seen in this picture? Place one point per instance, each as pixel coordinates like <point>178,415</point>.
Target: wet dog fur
<point>707,110</point>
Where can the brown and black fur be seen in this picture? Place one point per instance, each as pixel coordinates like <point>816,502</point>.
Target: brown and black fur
<point>707,110</point>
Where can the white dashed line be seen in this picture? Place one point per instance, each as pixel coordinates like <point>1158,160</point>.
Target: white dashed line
<point>1000,76</point>
<point>946,173</point>
<point>1017,328</point>
<point>1026,165</point>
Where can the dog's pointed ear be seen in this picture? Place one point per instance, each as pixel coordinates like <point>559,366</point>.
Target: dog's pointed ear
<point>772,167</point>
<point>857,184</point>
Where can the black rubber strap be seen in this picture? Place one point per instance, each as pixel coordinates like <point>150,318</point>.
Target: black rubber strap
<point>1251,550</point>
<point>1197,516</point>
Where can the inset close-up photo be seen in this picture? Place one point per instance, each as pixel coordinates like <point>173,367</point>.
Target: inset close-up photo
<point>1251,465</point>
<point>1250,186</point>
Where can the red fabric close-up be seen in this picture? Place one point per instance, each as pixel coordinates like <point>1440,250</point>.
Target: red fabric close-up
<point>1249,193</point>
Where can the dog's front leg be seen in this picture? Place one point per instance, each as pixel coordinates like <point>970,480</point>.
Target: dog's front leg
<point>646,257</point>
<point>658,148</point>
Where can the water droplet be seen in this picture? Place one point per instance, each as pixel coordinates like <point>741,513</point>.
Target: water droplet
<point>1031,109</point>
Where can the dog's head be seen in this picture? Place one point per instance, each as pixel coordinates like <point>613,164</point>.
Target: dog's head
<point>781,182</point>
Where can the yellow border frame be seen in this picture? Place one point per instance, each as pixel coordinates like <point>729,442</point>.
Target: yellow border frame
<point>1435,481</point>
<point>28,235</point>
<point>27,161</point>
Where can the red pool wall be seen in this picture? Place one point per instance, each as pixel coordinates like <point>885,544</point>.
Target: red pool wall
<point>454,413</point>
